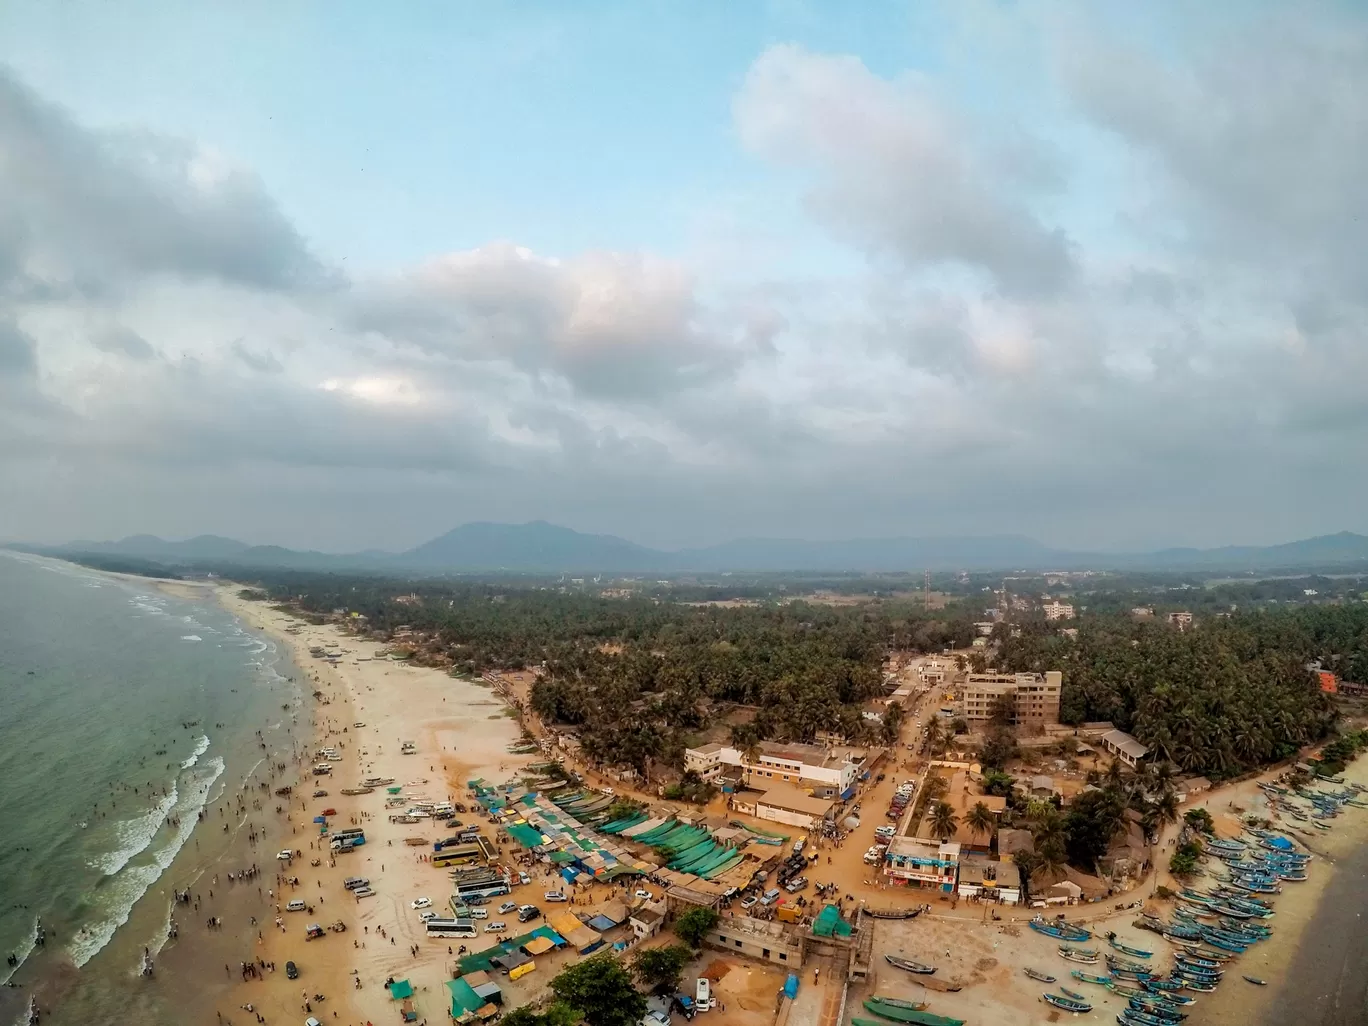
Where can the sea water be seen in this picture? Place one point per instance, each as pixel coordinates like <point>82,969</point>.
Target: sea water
<point>124,712</point>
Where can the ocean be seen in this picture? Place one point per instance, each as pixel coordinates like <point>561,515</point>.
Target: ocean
<point>125,714</point>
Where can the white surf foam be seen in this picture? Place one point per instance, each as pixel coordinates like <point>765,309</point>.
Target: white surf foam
<point>118,897</point>
<point>136,835</point>
<point>201,746</point>
<point>191,637</point>
<point>30,942</point>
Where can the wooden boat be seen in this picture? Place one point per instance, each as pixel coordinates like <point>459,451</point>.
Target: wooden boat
<point>910,966</point>
<point>1068,1004</point>
<point>1073,994</point>
<point>1038,976</point>
<point>1101,981</point>
<point>1126,949</point>
<point>1074,956</point>
<point>894,913</point>
<point>1256,981</point>
<point>357,790</point>
<point>1125,989</point>
<point>909,1015</point>
<point>911,1006</point>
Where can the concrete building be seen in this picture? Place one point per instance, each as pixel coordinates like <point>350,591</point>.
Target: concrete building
<point>826,772</point>
<point>990,879</point>
<point>1032,699</point>
<point>1058,610</point>
<point>921,862</point>
<point>645,922</point>
<point>785,805</point>
<point>1182,620</point>
<point>1124,747</point>
<point>773,942</point>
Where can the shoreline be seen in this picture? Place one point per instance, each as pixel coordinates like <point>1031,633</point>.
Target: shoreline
<point>461,730</point>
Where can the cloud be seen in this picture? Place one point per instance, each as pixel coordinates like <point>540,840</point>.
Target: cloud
<point>18,353</point>
<point>85,210</point>
<point>611,325</point>
<point>1152,335</point>
<point>896,170</point>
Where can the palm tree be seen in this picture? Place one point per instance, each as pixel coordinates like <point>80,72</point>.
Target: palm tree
<point>980,820</point>
<point>1114,775</point>
<point>944,822</point>
<point>1026,863</point>
<point>933,736</point>
<point>1048,831</point>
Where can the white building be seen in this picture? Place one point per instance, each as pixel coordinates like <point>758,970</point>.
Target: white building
<point>1124,747</point>
<point>825,772</point>
<point>786,805</point>
<point>1058,610</point>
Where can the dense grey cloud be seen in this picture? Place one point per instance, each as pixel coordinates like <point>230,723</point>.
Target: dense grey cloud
<point>1023,347</point>
<point>90,210</point>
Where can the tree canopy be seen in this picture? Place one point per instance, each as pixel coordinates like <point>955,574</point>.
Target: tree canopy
<point>694,923</point>
<point>601,990</point>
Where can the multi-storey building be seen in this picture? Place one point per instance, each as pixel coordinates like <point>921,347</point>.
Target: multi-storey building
<point>825,772</point>
<point>919,862</point>
<point>1031,699</point>
<point>1058,610</point>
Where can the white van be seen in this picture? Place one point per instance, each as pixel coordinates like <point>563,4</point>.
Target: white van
<point>297,905</point>
<point>702,993</point>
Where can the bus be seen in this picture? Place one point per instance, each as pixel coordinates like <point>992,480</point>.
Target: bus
<point>461,855</point>
<point>461,928</point>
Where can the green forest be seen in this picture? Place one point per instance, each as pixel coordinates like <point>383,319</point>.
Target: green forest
<point>643,677</point>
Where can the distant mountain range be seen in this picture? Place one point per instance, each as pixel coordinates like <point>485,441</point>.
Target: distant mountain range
<point>539,547</point>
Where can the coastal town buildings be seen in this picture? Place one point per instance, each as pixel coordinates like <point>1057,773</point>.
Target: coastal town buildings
<point>1031,700</point>
<point>1056,610</point>
<point>1124,747</point>
<point>922,862</point>
<point>788,805</point>
<point>825,772</point>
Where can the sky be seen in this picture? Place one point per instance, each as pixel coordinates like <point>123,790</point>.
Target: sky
<point>345,275</point>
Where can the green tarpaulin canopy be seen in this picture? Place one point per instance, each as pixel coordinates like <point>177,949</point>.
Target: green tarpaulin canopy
<point>401,989</point>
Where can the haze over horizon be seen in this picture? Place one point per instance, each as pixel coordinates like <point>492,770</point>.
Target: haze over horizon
<point>344,277</point>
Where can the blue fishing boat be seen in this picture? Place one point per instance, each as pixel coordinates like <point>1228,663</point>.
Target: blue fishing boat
<point>1126,949</point>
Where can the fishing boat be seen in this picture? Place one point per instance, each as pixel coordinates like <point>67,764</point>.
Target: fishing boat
<point>1256,981</point>
<point>1125,989</point>
<point>1073,994</point>
<point>1038,976</point>
<point>894,913</point>
<point>1068,1004</point>
<point>1059,930</point>
<point>1101,981</point>
<point>1161,985</point>
<point>898,1013</point>
<point>1199,987</point>
<point>1076,956</point>
<point>1126,949</point>
<point>1156,1011</point>
<point>911,1006</point>
<point>910,966</point>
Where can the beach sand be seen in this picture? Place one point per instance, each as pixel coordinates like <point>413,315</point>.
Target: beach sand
<point>461,731</point>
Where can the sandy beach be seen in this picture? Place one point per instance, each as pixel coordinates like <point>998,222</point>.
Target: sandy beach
<point>460,731</point>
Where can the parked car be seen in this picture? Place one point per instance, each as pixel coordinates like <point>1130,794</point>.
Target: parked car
<point>428,914</point>
<point>794,886</point>
<point>508,906</point>
<point>479,913</point>
<point>523,878</point>
<point>421,903</point>
<point>297,905</point>
<point>495,927</point>
<point>771,896</point>
<point>291,971</point>
<point>645,895</point>
<point>285,855</point>
<point>554,896</point>
<point>526,913</point>
<point>750,902</point>
<point>320,793</point>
